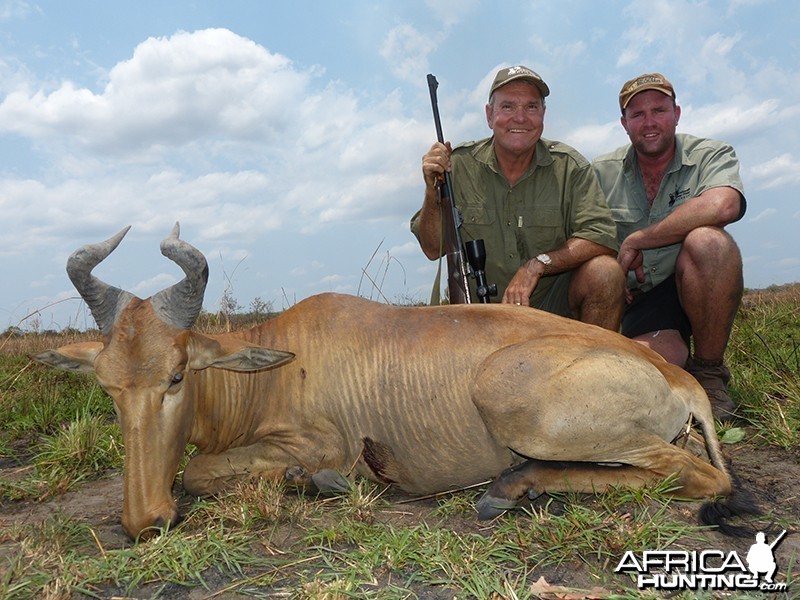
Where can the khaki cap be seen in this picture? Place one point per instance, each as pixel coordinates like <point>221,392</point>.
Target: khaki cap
<point>648,81</point>
<point>510,74</point>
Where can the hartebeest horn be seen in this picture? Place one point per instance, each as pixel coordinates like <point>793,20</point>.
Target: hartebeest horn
<point>102,299</point>
<point>179,305</point>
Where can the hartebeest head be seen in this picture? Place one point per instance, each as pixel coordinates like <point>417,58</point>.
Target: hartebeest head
<point>143,361</point>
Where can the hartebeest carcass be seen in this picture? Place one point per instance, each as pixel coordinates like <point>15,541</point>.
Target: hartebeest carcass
<point>427,398</point>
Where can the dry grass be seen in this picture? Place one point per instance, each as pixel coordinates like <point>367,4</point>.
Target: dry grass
<point>32,343</point>
<point>788,294</point>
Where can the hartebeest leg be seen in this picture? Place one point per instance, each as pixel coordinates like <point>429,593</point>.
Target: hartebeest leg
<point>536,477</point>
<point>696,479</point>
<point>212,473</point>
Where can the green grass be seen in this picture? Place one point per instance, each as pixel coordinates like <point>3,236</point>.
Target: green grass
<point>260,539</point>
<point>764,356</point>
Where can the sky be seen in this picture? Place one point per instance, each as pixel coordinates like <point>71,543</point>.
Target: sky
<point>286,137</point>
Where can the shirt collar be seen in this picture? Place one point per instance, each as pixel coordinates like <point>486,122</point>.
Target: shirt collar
<point>485,154</point>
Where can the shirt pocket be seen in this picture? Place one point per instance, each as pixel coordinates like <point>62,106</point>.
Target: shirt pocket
<point>628,220</point>
<point>543,228</point>
<point>477,215</point>
<point>478,224</point>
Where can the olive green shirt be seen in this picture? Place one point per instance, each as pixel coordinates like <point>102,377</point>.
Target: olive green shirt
<point>698,165</point>
<point>556,199</point>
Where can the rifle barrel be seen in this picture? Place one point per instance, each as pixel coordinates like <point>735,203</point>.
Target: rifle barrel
<point>457,274</point>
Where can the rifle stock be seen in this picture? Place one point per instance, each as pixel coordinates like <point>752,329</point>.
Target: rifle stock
<point>457,274</point>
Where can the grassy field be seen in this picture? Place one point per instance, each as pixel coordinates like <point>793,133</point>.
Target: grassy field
<point>61,497</point>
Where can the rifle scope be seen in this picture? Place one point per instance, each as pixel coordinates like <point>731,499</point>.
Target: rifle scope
<point>476,255</point>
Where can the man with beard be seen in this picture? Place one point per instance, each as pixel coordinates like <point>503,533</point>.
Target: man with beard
<point>671,195</point>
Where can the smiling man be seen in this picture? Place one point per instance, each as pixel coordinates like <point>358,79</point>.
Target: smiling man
<point>549,236</point>
<point>671,195</point>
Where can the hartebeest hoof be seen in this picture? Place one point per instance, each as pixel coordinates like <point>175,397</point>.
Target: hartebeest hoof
<point>329,481</point>
<point>490,506</point>
<point>297,476</point>
<point>325,481</point>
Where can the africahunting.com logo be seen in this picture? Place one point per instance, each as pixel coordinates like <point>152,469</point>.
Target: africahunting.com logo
<point>706,569</point>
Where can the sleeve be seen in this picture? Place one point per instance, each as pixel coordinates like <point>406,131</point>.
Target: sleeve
<point>590,217</point>
<point>719,167</point>
<point>414,224</point>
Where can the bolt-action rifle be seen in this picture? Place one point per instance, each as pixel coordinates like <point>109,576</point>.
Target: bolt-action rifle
<point>457,257</point>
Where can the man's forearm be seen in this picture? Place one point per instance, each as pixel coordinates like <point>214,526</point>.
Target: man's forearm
<point>574,253</point>
<point>430,224</point>
<point>716,207</point>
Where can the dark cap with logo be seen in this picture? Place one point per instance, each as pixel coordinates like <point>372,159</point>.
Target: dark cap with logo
<point>648,81</point>
<point>517,73</point>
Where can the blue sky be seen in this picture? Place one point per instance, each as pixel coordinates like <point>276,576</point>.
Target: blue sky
<point>286,138</point>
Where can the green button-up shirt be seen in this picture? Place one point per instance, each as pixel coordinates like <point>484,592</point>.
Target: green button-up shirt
<point>556,199</point>
<point>698,165</point>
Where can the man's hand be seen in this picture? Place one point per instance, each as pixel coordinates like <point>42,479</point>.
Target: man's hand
<point>631,258</point>
<point>435,163</point>
<point>524,282</point>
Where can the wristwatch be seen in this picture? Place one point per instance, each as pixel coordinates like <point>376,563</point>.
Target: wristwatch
<point>546,261</point>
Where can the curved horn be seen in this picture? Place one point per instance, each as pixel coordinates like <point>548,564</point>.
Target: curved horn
<point>101,298</point>
<point>179,305</point>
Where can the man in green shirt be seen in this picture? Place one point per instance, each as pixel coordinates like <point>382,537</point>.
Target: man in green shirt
<point>549,236</point>
<point>671,196</point>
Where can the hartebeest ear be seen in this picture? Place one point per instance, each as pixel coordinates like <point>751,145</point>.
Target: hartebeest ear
<point>72,357</point>
<point>235,355</point>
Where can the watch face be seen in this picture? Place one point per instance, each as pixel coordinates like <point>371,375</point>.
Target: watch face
<point>544,258</point>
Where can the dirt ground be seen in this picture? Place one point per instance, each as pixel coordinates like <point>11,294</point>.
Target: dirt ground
<point>772,475</point>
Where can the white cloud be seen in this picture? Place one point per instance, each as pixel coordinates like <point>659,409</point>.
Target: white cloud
<point>730,118</point>
<point>593,140</point>
<point>780,171</point>
<point>14,9</point>
<point>449,12</point>
<point>148,287</point>
<point>764,214</point>
<point>688,35</point>
<point>652,23</point>
<point>409,249</point>
<point>171,92</point>
<point>563,53</point>
<point>217,132</point>
<point>406,51</point>
<point>719,44</point>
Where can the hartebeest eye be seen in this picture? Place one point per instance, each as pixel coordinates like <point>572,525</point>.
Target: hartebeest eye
<point>176,379</point>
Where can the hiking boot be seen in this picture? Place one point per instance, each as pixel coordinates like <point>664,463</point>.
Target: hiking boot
<point>714,377</point>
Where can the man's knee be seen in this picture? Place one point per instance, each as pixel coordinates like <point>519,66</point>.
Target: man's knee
<point>600,275</point>
<point>596,292</point>
<point>709,244</point>
<point>709,258</point>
